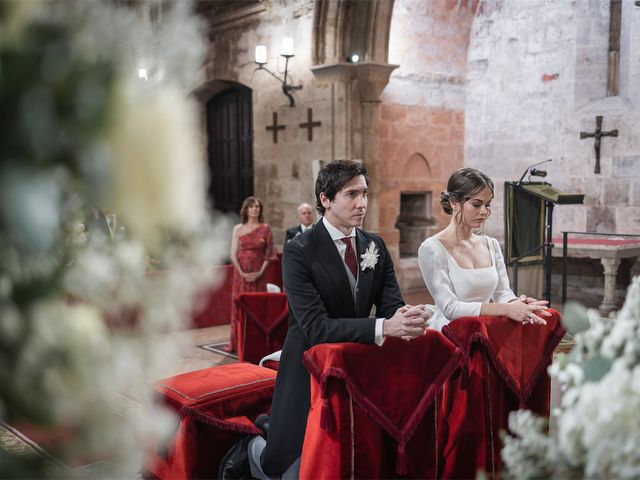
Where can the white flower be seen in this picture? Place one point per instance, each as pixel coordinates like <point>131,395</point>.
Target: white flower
<point>369,257</point>
<point>158,176</point>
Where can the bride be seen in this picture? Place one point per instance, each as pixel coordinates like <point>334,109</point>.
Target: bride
<point>465,272</point>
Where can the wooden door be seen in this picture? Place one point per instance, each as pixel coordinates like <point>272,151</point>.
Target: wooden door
<point>230,149</point>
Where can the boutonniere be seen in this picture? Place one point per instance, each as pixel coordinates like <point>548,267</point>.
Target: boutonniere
<point>369,257</point>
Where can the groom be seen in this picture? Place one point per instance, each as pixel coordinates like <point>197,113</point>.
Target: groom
<point>333,275</point>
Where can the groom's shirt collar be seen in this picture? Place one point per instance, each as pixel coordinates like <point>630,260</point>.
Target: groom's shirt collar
<point>334,232</point>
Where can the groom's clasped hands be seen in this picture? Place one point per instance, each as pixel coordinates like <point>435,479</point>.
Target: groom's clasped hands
<point>409,322</point>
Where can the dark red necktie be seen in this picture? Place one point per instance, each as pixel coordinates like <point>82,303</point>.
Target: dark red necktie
<point>350,257</point>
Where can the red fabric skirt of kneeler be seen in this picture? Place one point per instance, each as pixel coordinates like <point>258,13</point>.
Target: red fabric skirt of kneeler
<point>213,305</point>
<point>263,328</point>
<point>504,370</point>
<point>373,409</point>
<point>274,271</point>
<point>214,406</point>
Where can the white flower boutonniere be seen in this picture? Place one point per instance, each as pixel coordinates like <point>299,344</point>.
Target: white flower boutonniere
<point>369,257</point>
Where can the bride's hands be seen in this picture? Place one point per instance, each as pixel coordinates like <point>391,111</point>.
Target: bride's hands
<point>526,312</point>
<point>532,301</point>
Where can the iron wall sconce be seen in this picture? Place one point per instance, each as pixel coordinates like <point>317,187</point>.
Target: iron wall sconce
<point>287,53</point>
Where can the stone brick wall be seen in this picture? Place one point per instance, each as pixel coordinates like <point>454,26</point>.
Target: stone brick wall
<point>537,74</point>
<point>419,147</point>
<point>283,172</point>
<point>422,116</point>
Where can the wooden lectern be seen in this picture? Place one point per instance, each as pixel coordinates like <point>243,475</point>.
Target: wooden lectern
<point>529,222</point>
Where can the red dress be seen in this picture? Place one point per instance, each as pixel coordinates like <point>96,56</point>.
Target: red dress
<point>253,249</point>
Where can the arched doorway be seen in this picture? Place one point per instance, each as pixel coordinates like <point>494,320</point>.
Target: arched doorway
<point>230,147</point>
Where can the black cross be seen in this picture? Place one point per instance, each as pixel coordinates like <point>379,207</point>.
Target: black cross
<point>275,127</point>
<point>310,124</point>
<point>598,134</point>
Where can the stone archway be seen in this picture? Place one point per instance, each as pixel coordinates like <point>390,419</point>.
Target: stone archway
<point>336,33</point>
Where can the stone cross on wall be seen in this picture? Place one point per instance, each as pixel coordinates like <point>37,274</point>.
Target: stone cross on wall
<point>310,124</point>
<point>598,134</point>
<point>274,127</point>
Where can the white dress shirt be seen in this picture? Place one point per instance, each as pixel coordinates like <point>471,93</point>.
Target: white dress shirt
<point>337,236</point>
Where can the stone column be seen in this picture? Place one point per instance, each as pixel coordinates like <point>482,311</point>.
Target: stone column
<point>371,78</point>
<point>365,82</point>
<point>609,304</point>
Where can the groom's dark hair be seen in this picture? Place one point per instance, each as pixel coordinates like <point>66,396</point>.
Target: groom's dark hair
<point>335,175</point>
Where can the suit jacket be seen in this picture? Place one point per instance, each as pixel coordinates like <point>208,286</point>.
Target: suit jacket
<point>292,233</point>
<point>321,310</point>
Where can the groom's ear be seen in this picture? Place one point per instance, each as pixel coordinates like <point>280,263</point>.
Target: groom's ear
<point>324,200</point>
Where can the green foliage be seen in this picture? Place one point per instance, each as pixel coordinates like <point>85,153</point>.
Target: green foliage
<point>575,318</point>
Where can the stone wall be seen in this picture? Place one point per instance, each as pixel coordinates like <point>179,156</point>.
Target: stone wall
<point>537,75</point>
<point>283,172</point>
<point>423,113</point>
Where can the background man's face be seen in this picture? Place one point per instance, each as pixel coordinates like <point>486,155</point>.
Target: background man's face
<point>305,215</point>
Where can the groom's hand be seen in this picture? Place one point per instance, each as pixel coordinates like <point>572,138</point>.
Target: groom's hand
<point>408,322</point>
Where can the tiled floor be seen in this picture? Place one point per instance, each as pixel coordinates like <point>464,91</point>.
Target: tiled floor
<point>190,356</point>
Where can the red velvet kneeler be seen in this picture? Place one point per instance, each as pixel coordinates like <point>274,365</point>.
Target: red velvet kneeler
<point>211,306</point>
<point>373,409</point>
<point>272,364</point>
<point>274,271</point>
<point>504,370</point>
<point>264,326</point>
<point>214,304</point>
<point>214,406</point>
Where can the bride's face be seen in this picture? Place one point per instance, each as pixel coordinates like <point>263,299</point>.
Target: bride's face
<point>476,209</point>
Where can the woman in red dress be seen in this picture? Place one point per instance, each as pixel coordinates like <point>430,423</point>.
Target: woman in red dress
<point>251,252</point>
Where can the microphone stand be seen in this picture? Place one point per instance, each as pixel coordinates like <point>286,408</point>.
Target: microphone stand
<point>530,167</point>
<point>547,245</point>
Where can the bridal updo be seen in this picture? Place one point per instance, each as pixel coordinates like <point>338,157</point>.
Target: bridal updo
<point>463,184</point>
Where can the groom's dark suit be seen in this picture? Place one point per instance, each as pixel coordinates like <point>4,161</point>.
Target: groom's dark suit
<point>321,310</point>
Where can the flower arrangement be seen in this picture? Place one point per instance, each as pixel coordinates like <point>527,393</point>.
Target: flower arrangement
<point>598,422</point>
<point>369,257</point>
<point>83,135</point>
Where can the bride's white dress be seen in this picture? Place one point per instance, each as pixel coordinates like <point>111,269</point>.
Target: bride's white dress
<point>460,292</point>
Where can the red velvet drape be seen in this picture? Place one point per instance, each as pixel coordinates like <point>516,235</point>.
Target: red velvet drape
<point>373,413</point>
<point>274,271</point>
<point>504,369</point>
<point>214,304</point>
<point>264,326</point>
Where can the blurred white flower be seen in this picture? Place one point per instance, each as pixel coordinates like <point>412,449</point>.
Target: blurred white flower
<point>158,174</point>
<point>598,421</point>
<point>17,16</point>
<point>78,308</point>
<point>30,206</point>
<point>11,324</point>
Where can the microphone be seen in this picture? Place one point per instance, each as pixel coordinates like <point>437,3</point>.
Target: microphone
<point>535,172</point>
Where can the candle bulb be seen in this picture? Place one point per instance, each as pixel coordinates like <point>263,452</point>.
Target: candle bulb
<point>261,54</point>
<point>287,47</point>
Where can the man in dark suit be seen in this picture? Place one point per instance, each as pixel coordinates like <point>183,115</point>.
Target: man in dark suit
<point>305,217</point>
<point>330,293</point>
